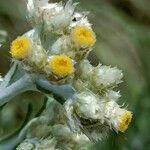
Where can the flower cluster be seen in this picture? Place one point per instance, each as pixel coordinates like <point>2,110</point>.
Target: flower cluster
<point>36,144</point>
<point>95,115</point>
<point>61,138</point>
<point>62,58</point>
<point>94,109</point>
<point>50,132</point>
<point>76,38</point>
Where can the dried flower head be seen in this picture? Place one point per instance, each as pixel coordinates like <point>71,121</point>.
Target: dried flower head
<point>55,16</point>
<point>106,76</point>
<point>116,117</point>
<point>83,36</point>
<point>125,121</point>
<point>20,47</point>
<point>85,114</point>
<point>61,65</point>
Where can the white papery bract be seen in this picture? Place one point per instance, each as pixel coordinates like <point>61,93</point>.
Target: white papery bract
<point>117,118</point>
<point>25,145</point>
<point>84,101</point>
<point>112,95</point>
<point>63,46</point>
<point>62,132</point>
<point>36,7</point>
<point>54,16</point>
<point>80,19</point>
<point>38,144</point>
<point>38,56</point>
<point>94,115</point>
<point>102,77</point>
<point>106,76</point>
<point>85,70</point>
<point>86,115</point>
<point>61,138</point>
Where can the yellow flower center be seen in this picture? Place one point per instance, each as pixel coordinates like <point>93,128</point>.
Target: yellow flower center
<point>61,65</point>
<point>125,121</point>
<point>83,36</point>
<point>20,47</point>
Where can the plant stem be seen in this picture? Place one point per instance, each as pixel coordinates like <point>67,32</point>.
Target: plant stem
<point>25,83</point>
<point>60,92</point>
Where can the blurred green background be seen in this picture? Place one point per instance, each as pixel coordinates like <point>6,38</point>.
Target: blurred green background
<point>123,40</point>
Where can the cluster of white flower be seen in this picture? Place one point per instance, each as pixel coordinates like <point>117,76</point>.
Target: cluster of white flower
<point>50,132</point>
<point>54,16</point>
<point>94,115</point>
<point>57,48</point>
<point>94,109</point>
<point>68,34</point>
<point>62,138</point>
<point>36,144</point>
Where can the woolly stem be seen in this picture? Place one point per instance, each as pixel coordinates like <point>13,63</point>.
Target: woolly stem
<point>24,84</point>
<point>60,92</point>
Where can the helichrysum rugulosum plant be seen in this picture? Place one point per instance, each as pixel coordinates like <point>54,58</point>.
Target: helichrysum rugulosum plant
<point>81,103</point>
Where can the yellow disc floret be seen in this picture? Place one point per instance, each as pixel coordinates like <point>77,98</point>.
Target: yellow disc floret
<point>83,36</point>
<point>61,65</point>
<point>20,47</point>
<point>125,121</point>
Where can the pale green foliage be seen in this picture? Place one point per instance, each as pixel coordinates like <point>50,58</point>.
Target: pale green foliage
<point>123,39</point>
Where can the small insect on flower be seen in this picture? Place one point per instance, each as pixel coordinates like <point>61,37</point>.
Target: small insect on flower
<point>83,36</point>
<point>125,121</point>
<point>61,65</point>
<point>20,47</point>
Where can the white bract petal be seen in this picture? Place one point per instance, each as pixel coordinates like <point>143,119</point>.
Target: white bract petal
<point>112,95</point>
<point>85,113</point>
<point>47,144</point>
<point>85,69</point>
<point>61,19</point>
<point>100,77</point>
<point>54,16</point>
<point>87,105</point>
<point>94,115</point>
<point>25,145</point>
<point>62,131</point>
<point>63,46</point>
<point>80,20</point>
<point>116,117</point>
<point>38,56</point>
<point>36,144</point>
<point>105,76</point>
